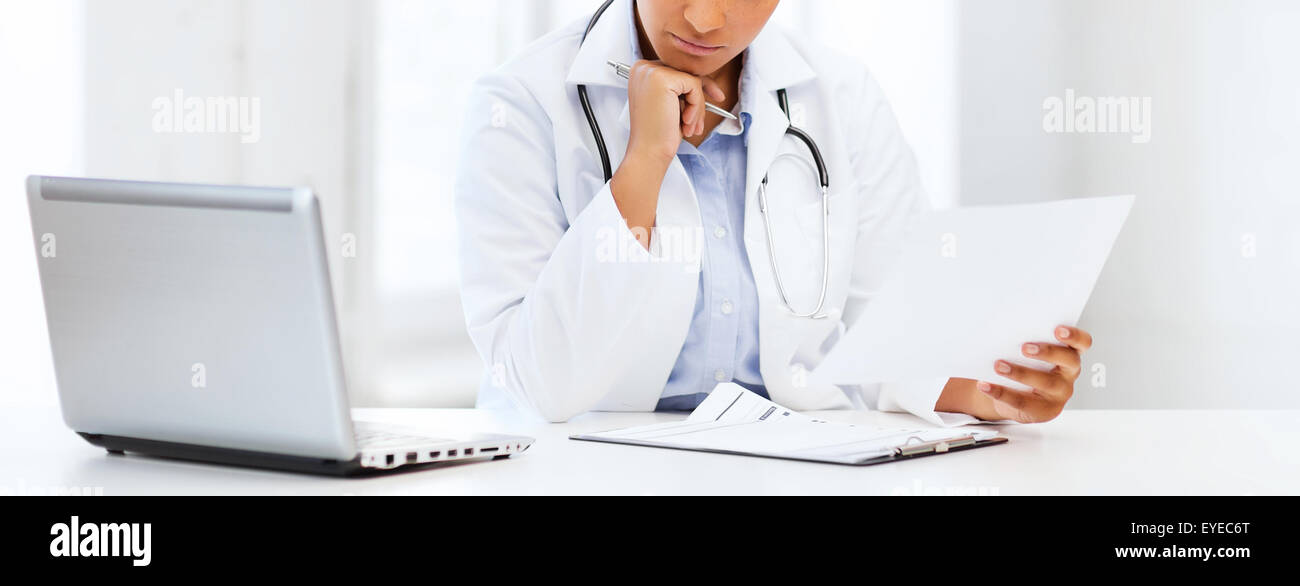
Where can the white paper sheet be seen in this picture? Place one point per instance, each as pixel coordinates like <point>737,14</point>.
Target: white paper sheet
<point>733,419</point>
<point>973,285</point>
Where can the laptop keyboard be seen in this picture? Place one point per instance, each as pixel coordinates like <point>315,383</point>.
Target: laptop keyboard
<point>371,435</point>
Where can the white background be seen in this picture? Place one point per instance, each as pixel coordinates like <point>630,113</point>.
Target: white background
<point>361,101</point>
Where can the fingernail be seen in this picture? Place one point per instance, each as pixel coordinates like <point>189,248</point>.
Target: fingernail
<point>983,387</point>
<point>1062,333</point>
<point>1031,348</point>
<point>1002,367</point>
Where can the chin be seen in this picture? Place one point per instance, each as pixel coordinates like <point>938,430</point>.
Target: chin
<point>696,65</point>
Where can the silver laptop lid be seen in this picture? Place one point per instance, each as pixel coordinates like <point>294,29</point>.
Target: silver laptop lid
<point>199,314</point>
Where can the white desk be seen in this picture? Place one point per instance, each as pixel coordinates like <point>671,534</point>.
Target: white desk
<point>1082,452</point>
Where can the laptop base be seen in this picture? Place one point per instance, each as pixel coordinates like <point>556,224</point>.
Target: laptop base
<point>118,445</point>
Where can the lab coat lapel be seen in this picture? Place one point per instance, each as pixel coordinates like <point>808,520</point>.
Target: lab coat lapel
<point>771,63</point>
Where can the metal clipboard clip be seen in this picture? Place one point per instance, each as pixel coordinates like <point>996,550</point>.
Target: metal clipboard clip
<point>937,447</point>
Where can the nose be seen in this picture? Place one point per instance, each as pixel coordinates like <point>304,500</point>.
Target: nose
<point>706,15</point>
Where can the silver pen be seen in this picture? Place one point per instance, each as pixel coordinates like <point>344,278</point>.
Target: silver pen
<point>625,71</point>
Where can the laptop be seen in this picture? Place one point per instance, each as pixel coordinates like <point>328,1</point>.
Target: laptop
<point>197,322</point>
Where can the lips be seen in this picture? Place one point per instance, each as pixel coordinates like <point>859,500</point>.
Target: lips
<point>694,48</point>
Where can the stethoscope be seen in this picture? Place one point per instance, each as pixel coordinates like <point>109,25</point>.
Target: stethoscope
<point>823,180</point>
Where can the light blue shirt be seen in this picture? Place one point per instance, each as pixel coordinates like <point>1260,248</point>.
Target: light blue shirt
<point>722,343</point>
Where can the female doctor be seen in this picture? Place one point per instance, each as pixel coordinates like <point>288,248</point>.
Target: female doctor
<point>706,251</point>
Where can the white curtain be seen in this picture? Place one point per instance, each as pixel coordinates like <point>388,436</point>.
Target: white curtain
<point>41,63</point>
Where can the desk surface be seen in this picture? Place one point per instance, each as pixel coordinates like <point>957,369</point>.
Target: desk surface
<point>1082,452</point>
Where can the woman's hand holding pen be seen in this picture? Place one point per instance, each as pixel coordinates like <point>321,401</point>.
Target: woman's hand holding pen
<point>1050,389</point>
<point>666,105</point>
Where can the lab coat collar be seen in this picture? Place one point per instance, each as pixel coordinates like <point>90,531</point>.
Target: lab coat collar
<point>772,63</point>
<point>607,41</point>
<point>770,60</point>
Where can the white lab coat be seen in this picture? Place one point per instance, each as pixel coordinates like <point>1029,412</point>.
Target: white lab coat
<point>565,327</point>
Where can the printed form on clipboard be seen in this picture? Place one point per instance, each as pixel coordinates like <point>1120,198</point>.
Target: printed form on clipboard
<point>733,420</point>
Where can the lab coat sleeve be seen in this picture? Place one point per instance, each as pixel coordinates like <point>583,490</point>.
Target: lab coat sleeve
<point>892,195</point>
<point>556,309</point>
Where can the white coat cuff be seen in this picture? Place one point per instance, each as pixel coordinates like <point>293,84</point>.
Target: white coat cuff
<point>918,398</point>
<point>616,242</point>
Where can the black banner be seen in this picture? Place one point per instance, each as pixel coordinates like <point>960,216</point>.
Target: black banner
<point>161,535</point>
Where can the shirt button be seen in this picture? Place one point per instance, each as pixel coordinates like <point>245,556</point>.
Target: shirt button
<point>720,375</point>
<point>727,307</point>
<point>719,232</point>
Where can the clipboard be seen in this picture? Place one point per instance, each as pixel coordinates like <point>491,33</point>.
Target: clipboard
<point>907,451</point>
<point>735,421</point>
